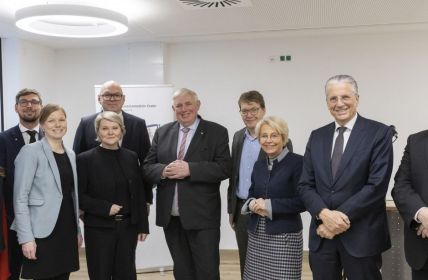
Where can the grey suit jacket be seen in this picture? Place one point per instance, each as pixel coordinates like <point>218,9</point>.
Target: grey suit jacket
<point>37,191</point>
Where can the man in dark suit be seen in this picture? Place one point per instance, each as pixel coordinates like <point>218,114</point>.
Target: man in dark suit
<point>346,171</point>
<point>187,161</point>
<point>245,152</point>
<point>411,198</point>
<point>136,139</point>
<point>28,105</point>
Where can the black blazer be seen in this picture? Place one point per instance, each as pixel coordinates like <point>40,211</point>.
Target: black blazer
<point>237,144</point>
<point>135,139</point>
<point>359,188</point>
<point>198,195</point>
<point>280,186</point>
<point>410,193</point>
<point>11,142</point>
<point>97,188</point>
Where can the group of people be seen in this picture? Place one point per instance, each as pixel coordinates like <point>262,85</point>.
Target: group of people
<point>107,181</point>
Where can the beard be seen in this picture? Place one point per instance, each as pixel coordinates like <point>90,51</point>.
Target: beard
<point>29,117</point>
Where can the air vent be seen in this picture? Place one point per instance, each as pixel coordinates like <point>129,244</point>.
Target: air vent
<point>214,4</point>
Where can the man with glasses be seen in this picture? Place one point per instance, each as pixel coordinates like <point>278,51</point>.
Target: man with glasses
<point>28,105</point>
<point>245,152</point>
<point>136,138</point>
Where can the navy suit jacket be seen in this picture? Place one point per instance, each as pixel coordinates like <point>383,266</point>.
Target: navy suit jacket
<point>410,193</point>
<point>359,188</point>
<point>199,194</point>
<point>11,142</point>
<point>135,139</point>
<point>280,186</point>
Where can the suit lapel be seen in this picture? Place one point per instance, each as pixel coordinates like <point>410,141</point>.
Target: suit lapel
<point>173,139</point>
<point>128,134</point>
<point>17,137</point>
<point>356,137</point>
<point>327,146</point>
<point>196,140</point>
<point>238,147</point>
<point>52,163</point>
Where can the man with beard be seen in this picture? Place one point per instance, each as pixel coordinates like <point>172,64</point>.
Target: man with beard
<point>28,106</point>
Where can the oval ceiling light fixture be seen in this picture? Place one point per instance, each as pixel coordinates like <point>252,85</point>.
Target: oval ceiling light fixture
<point>73,21</point>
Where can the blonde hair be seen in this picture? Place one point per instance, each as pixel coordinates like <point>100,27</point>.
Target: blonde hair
<point>277,124</point>
<point>110,116</point>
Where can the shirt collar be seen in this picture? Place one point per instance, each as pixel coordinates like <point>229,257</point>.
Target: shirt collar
<point>280,157</point>
<point>194,125</point>
<point>349,125</point>
<point>248,135</point>
<point>24,129</point>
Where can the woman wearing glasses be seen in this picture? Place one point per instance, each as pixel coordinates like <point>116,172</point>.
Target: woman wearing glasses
<point>113,200</point>
<point>45,202</point>
<point>275,244</point>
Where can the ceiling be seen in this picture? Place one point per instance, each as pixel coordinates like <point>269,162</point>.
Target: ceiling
<point>172,20</point>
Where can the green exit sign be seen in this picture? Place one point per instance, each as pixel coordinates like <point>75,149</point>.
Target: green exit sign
<point>285,58</point>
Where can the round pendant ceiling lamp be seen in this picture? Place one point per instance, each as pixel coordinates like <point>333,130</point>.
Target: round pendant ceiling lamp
<point>74,21</point>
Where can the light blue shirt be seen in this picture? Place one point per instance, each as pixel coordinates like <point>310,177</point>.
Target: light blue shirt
<point>250,154</point>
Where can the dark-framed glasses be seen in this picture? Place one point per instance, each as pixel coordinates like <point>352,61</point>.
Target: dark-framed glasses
<point>112,96</point>
<point>25,102</point>
<point>252,111</point>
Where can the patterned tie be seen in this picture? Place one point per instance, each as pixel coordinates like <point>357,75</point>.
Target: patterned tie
<point>337,151</point>
<point>32,134</point>
<point>182,149</point>
<point>180,156</point>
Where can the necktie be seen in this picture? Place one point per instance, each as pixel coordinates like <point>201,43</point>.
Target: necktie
<point>32,134</point>
<point>180,156</point>
<point>182,148</point>
<point>337,151</point>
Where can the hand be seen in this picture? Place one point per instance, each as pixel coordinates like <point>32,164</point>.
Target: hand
<point>422,231</point>
<point>323,232</point>
<point>142,236</point>
<point>335,221</point>
<point>114,209</point>
<point>423,216</point>
<point>231,222</point>
<point>79,240</point>
<point>259,207</point>
<point>29,250</point>
<point>177,169</point>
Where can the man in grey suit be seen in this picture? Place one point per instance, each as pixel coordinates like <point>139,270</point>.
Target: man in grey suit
<point>187,161</point>
<point>28,105</point>
<point>245,152</point>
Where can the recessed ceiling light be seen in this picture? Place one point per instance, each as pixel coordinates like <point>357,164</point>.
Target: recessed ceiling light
<point>75,21</point>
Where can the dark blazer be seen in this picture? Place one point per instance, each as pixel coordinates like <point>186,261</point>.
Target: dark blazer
<point>97,188</point>
<point>410,193</point>
<point>11,142</point>
<point>237,144</point>
<point>209,163</point>
<point>280,186</point>
<point>135,139</point>
<point>359,188</point>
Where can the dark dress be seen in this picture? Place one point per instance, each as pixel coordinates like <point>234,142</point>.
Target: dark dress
<point>58,253</point>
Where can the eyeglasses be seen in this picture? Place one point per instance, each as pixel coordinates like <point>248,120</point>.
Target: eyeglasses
<point>273,137</point>
<point>114,97</point>
<point>251,111</point>
<point>25,103</point>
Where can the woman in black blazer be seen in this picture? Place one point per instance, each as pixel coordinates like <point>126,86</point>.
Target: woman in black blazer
<point>275,243</point>
<point>112,197</point>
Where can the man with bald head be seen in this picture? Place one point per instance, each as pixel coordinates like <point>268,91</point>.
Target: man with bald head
<point>136,139</point>
<point>187,161</point>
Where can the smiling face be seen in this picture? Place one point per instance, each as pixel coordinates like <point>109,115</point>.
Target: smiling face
<point>28,108</point>
<point>342,102</point>
<point>55,125</point>
<point>251,113</point>
<point>109,134</point>
<point>111,97</point>
<point>271,141</point>
<point>186,108</point>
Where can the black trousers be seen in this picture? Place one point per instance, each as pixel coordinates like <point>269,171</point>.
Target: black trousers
<point>331,258</point>
<point>195,252</point>
<point>64,276</point>
<point>110,252</point>
<point>241,233</point>
<point>15,255</point>
<point>420,274</point>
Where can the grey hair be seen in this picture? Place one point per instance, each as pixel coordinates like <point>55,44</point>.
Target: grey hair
<point>339,79</point>
<point>183,91</point>
<point>108,84</point>
<point>110,116</point>
<point>277,124</point>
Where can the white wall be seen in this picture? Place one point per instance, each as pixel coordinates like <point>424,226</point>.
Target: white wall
<point>390,69</point>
